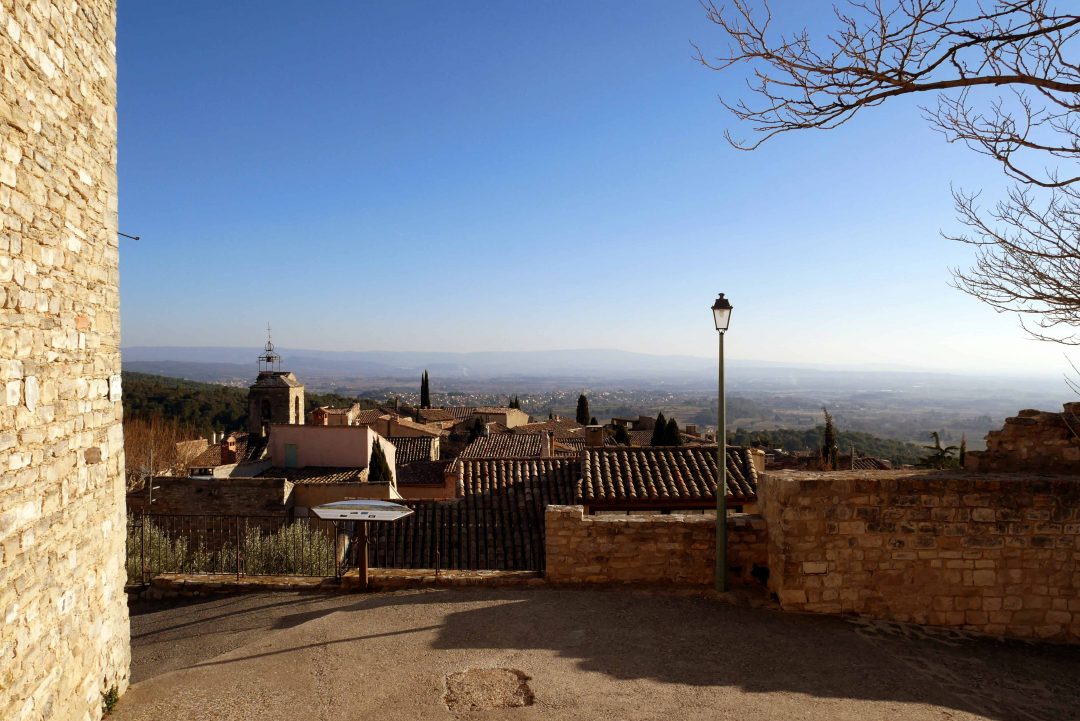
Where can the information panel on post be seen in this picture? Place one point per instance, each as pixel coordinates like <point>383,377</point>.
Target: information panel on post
<point>361,510</point>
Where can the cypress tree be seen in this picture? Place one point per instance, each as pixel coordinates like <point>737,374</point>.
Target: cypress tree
<point>671,434</point>
<point>379,469</point>
<point>659,431</point>
<point>830,449</point>
<point>476,430</point>
<point>593,421</point>
<point>622,436</point>
<point>583,410</point>
<point>425,391</point>
<point>963,448</point>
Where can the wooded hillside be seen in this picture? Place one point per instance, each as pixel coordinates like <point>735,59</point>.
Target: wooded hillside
<point>203,407</point>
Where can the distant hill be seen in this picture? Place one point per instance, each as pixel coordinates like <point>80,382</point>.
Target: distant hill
<point>203,407</point>
<point>564,368</point>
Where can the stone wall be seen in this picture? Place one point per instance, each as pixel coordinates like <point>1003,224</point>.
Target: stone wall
<point>1032,442</point>
<point>652,549</point>
<point>64,639</point>
<point>993,554</point>
<point>176,495</point>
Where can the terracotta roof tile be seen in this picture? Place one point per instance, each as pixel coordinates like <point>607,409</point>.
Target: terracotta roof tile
<point>209,458</point>
<point>663,473</point>
<point>368,417</point>
<point>411,449</point>
<point>498,523</point>
<point>436,415</point>
<point>317,474</point>
<point>504,445</point>
<point>560,428</point>
<point>423,473</point>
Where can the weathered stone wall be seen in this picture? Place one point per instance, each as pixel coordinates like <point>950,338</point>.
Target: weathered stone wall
<point>991,554</point>
<point>64,639</point>
<point>653,549</point>
<point>175,495</point>
<point>1032,442</point>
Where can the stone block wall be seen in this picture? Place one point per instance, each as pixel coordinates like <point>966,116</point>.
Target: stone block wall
<point>1032,442</point>
<point>994,554</point>
<point>653,549</point>
<point>64,638</point>
<point>177,495</point>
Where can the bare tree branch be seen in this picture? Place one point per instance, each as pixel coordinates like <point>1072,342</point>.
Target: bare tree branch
<point>1007,85</point>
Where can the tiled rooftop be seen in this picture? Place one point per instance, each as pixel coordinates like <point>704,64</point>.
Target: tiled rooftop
<point>368,417</point>
<point>432,430</point>
<point>569,447</point>
<point>276,379</point>
<point>420,473</point>
<point>317,474</point>
<point>436,415</point>
<point>560,428</point>
<point>498,523</point>
<point>209,458</point>
<point>333,410</point>
<point>458,413</point>
<point>411,449</point>
<point>663,473</point>
<point>505,445</point>
<point>867,463</point>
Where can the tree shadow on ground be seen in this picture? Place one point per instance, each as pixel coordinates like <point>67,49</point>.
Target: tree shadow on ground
<point>701,642</point>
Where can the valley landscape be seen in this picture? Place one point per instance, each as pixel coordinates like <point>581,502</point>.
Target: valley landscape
<point>898,403</point>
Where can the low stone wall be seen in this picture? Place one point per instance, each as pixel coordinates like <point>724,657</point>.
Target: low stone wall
<point>653,549</point>
<point>177,495</point>
<point>996,554</point>
<point>1032,442</point>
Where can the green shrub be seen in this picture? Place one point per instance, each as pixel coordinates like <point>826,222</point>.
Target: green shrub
<point>294,549</point>
<point>108,700</point>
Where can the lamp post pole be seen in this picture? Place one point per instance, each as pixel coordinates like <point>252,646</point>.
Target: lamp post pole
<point>721,480</point>
<point>721,310</point>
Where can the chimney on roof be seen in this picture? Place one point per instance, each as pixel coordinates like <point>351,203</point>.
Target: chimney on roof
<point>594,436</point>
<point>547,443</point>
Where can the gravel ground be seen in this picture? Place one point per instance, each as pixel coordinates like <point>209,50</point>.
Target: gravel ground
<point>587,654</point>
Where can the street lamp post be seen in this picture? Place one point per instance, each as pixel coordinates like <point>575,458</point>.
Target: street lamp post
<point>722,316</point>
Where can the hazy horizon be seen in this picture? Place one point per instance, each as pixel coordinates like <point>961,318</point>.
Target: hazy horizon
<point>194,354</point>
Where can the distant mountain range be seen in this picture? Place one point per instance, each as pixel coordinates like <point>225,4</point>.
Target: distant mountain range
<point>567,367</point>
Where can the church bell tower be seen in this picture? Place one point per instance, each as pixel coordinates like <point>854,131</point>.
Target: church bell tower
<point>276,396</point>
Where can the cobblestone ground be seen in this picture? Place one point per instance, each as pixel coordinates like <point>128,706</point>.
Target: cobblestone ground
<point>587,655</point>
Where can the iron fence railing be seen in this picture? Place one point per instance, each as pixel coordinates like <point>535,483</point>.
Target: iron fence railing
<point>234,545</point>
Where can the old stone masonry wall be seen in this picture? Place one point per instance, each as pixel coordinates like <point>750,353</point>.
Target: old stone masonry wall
<point>993,554</point>
<point>64,639</point>
<point>675,550</point>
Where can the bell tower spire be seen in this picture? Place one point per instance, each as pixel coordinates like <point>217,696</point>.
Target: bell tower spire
<point>277,396</point>
<point>269,360</point>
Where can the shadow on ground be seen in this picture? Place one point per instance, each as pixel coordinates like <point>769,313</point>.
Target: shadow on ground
<point>669,639</point>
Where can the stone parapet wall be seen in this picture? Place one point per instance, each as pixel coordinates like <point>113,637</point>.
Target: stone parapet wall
<point>64,638</point>
<point>177,495</point>
<point>1032,442</point>
<point>648,549</point>
<point>993,554</point>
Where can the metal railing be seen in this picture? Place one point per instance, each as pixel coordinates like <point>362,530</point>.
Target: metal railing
<point>234,545</point>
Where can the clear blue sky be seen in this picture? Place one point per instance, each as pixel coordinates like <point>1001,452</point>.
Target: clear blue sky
<point>496,176</point>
